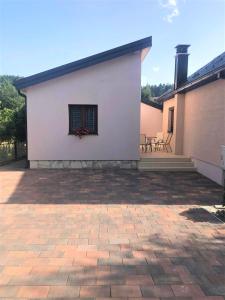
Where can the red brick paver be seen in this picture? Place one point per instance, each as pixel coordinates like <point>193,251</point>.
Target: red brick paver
<point>64,292</point>
<point>109,235</point>
<point>125,291</point>
<point>94,291</point>
<point>33,292</point>
<point>187,291</point>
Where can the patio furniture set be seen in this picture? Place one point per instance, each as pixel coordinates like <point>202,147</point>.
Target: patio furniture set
<point>156,143</point>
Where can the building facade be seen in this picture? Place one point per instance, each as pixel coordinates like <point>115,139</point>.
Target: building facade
<point>100,96</point>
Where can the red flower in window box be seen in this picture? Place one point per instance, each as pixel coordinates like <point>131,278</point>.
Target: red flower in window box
<point>80,132</point>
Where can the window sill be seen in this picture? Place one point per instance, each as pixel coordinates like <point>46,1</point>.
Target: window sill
<point>84,135</point>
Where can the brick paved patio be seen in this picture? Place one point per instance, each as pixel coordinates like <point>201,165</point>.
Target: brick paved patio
<point>109,234</point>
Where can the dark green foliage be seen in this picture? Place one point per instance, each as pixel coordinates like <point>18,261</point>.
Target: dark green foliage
<point>151,92</point>
<point>146,92</point>
<point>12,111</point>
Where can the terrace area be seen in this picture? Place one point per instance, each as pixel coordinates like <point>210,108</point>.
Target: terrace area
<point>94,234</point>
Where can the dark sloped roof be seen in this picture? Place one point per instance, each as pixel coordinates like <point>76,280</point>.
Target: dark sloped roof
<point>212,66</point>
<point>167,95</point>
<point>152,103</point>
<point>217,63</point>
<point>84,63</point>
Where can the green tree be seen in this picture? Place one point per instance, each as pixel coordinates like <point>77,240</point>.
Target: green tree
<point>6,124</point>
<point>150,92</point>
<point>146,93</point>
<point>12,111</point>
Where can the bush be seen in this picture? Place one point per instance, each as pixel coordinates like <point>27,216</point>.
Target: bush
<point>12,111</point>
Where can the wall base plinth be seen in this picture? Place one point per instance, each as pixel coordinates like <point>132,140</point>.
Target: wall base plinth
<point>83,164</point>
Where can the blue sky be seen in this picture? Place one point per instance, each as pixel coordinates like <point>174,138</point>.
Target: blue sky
<point>36,35</point>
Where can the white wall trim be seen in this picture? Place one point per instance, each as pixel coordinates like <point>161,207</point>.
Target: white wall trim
<point>212,171</point>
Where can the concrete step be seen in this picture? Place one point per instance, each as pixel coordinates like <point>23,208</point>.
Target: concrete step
<point>166,164</point>
<point>171,169</point>
<point>165,159</point>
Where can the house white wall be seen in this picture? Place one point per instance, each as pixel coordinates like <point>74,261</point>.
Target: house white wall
<point>114,86</point>
<point>204,128</point>
<point>151,120</point>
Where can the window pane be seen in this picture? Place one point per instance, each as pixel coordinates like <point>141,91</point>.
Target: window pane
<point>75,116</point>
<point>90,119</point>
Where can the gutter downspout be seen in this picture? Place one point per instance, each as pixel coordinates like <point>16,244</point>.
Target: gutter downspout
<point>25,97</point>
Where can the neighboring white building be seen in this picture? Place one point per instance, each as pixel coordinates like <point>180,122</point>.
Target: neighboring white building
<point>100,93</point>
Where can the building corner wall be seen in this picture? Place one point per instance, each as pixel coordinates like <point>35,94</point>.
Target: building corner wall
<point>199,127</point>
<point>204,128</point>
<point>179,124</point>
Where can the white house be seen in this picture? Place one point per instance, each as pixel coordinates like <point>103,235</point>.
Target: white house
<point>98,95</point>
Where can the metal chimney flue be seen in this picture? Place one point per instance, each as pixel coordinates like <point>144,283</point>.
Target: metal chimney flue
<point>181,65</point>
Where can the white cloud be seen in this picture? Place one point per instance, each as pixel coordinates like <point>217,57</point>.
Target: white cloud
<point>172,9</point>
<point>174,13</point>
<point>155,69</point>
<point>168,3</point>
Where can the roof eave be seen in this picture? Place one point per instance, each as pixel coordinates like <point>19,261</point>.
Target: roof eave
<point>210,77</point>
<point>152,104</point>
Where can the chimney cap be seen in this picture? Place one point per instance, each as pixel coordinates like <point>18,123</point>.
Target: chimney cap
<point>182,48</point>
